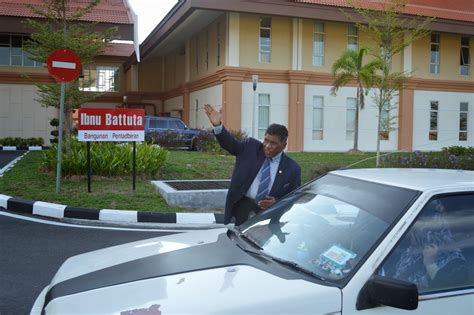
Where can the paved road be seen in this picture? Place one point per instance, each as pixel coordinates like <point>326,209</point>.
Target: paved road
<point>8,156</point>
<point>31,252</point>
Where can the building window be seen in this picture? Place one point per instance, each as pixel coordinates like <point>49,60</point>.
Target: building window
<point>318,117</point>
<point>464,58</point>
<point>318,44</point>
<point>263,114</point>
<point>218,44</point>
<point>433,135</point>
<point>100,79</point>
<point>352,37</point>
<point>463,107</point>
<point>265,42</point>
<point>12,53</point>
<point>351,106</point>
<point>434,61</point>
<point>384,133</point>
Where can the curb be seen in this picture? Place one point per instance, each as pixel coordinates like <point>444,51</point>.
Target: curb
<point>57,211</point>
<point>21,148</point>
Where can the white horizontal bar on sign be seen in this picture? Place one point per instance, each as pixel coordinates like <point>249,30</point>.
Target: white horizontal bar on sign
<point>64,65</point>
<point>111,135</point>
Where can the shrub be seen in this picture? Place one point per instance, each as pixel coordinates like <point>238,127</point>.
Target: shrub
<point>21,142</point>
<point>167,139</point>
<point>107,159</point>
<point>458,150</point>
<point>417,159</point>
<point>207,142</point>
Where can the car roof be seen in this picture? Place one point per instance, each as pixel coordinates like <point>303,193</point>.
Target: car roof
<point>412,178</point>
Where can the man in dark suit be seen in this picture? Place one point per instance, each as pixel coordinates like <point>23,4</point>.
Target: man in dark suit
<point>262,172</point>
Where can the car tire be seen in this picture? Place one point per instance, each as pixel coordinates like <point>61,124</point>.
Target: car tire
<point>194,145</point>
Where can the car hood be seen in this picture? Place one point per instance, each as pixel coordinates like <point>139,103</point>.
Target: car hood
<point>160,276</point>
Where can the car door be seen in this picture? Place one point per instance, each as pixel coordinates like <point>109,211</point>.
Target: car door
<point>436,253</point>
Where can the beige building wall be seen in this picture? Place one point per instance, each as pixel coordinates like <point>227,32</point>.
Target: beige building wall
<point>281,42</point>
<point>149,75</point>
<point>21,116</point>
<point>450,47</point>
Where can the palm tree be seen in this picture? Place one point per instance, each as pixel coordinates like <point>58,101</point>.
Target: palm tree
<point>350,67</point>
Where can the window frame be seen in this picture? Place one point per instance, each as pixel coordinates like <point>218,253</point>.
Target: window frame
<point>464,65</point>
<point>23,55</point>
<point>351,131</point>
<point>318,108</point>
<point>350,36</point>
<point>435,48</point>
<point>433,133</point>
<point>260,128</point>
<point>265,52</point>
<point>463,133</point>
<point>317,56</point>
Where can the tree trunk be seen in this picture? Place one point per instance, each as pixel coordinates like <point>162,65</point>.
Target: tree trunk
<point>377,160</point>
<point>356,123</point>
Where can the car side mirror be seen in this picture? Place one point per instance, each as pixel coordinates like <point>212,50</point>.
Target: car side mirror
<point>381,290</point>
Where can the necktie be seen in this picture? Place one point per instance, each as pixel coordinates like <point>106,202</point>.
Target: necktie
<point>264,181</point>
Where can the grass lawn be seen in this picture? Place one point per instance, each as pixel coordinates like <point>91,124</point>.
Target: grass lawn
<point>26,181</point>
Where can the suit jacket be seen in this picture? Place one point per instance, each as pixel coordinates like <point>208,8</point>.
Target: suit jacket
<point>249,159</point>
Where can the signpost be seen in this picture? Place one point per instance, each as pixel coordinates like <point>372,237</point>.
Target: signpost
<point>111,124</point>
<point>64,65</point>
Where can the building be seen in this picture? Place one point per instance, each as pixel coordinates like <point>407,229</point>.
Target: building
<point>20,114</point>
<point>208,52</point>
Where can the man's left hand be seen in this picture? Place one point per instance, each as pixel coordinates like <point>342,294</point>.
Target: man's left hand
<point>267,202</point>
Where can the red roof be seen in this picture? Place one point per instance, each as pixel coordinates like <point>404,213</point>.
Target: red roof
<point>459,10</point>
<point>107,11</point>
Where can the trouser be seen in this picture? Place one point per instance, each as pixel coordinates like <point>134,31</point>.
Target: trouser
<point>243,208</point>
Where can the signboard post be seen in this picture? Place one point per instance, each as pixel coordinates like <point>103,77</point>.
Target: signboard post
<point>64,65</point>
<point>114,124</point>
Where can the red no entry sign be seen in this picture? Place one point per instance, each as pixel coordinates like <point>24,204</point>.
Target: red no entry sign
<point>64,65</point>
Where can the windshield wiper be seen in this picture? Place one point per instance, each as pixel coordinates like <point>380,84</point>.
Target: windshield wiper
<point>296,267</point>
<point>244,237</point>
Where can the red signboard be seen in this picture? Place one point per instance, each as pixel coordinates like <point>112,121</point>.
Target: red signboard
<point>114,124</point>
<point>64,65</point>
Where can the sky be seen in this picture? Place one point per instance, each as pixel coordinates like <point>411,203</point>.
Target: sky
<point>150,13</point>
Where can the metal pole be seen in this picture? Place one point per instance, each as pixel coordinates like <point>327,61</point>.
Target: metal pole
<point>134,174</point>
<point>89,168</point>
<point>253,115</point>
<point>60,139</point>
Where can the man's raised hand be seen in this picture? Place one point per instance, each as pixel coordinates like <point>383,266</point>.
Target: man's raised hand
<point>215,117</point>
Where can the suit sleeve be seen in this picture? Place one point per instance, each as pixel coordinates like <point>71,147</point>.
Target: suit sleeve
<point>229,143</point>
<point>296,182</point>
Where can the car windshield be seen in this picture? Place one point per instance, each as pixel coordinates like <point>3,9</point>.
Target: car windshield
<point>328,226</point>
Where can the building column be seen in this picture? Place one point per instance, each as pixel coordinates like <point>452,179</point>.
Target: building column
<point>233,39</point>
<point>186,105</point>
<point>232,104</point>
<point>405,119</point>
<point>296,111</point>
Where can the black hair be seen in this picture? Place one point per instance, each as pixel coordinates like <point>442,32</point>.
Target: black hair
<point>278,130</point>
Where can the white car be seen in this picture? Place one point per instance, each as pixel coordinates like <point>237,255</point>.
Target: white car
<point>363,241</point>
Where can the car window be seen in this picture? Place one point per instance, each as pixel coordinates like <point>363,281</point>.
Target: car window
<point>329,226</point>
<point>158,123</point>
<point>437,252</point>
<point>176,124</point>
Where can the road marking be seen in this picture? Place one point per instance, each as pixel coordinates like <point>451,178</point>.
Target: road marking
<point>10,165</point>
<point>64,65</point>
<point>157,229</point>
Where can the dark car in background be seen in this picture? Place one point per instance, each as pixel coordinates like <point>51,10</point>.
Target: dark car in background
<point>170,132</point>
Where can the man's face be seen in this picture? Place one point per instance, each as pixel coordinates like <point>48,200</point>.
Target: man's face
<point>272,145</point>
